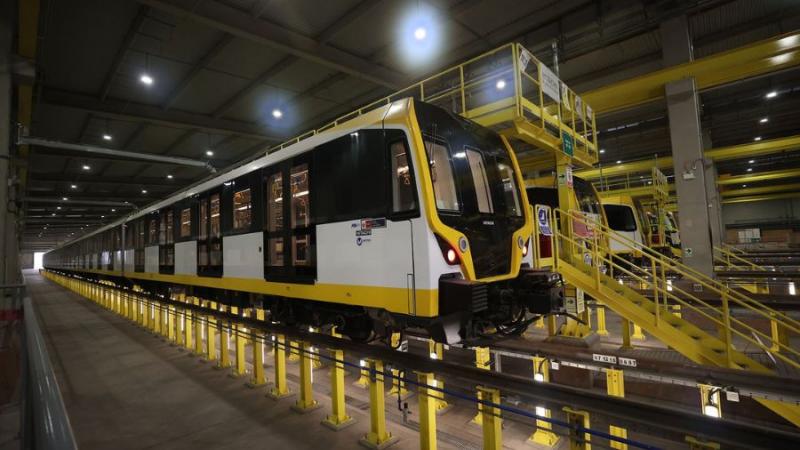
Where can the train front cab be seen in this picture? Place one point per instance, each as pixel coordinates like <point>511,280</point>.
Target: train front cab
<point>623,218</point>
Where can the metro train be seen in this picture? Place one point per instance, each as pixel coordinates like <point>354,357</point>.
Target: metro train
<point>404,216</point>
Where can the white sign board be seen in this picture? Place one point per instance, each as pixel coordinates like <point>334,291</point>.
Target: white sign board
<point>543,219</point>
<point>524,59</point>
<point>550,84</point>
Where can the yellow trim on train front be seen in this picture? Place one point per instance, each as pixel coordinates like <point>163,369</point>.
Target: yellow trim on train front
<point>396,300</point>
<point>452,235</point>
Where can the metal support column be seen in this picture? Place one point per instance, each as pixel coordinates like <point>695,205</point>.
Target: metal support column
<point>625,331</point>
<point>199,348</point>
<point>188,326</point>
<point>492,426</point>
<point>211,335</point>
<point>544,430</point>
<point>436,350</point>
<point>427,412</point>
<point>483,357</point>
<point>615,386</point>
<point>240,340</point>
<point>579,439</point>
<point>338,418</point>
<point>294,356</point>
<point>280,389</point>
<point>378,437</point>
<point>601,320</point>
<point>224,342</point>
<point>305,398</point>
<point>683,107</point>
<point>259,378</point>
<point>398,385</point>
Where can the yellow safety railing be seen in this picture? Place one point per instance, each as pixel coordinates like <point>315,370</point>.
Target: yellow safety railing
<point>731,261</point>
<point>580,245</point>
<point>507,89</point>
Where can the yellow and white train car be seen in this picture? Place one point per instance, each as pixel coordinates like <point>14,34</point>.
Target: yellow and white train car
<point>406,215</point>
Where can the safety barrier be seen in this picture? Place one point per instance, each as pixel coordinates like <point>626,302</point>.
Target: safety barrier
<point>173,318</point>
<point>507,89</point>
<point>730,260</point>
<point>582,260</point>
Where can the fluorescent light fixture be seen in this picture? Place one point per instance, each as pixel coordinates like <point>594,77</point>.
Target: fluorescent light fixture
<point>277,113</point>
<point>420,33</point>
<point>764,120</point>
<point>107,137</point>
<point>58,207</point>
<point>792,289</point>
<point>501,84</point>
<point>169,176</point>
<point>102,217</point>
<point>744,185</point>
<point>64,198</point>
<point>144,191</point>
<point>86,167</point>
<point>146,79</point>
<point>113,210</point>
<point>751,161</point>
<point>619,161</point>
<point>209,152</point>
<point>602,150</point>
<point>757,138</point>
<point>74,186</point>
<point>749,169</point>
<point>772,94</point>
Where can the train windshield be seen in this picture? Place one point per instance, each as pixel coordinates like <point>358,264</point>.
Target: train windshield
<point>474,184</point>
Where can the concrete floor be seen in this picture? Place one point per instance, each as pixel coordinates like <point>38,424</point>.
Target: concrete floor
<point>126,389</point>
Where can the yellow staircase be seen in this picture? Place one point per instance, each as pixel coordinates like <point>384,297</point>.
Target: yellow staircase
<point>582,261</point>
<point>728,258</point>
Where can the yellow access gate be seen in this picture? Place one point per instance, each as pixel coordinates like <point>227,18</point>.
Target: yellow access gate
<point>584,263</point>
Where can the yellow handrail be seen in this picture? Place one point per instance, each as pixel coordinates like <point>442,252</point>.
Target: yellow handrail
<point>729,259</point>
<point>663,291</point>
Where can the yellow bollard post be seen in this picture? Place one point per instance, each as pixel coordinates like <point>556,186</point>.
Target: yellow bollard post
<point>240,340</point>
<point>305,398</point>
<point>211,335</point>
<point>199,345</point>
<point>492,429</point>
<point>699,444</point>
<point>294,356</point>
<point>579,421</point>
<point>259,378</point>
<point>279,390</point>
<point>601,320</point>
<point>427,412</point>
<point>363,379</point>
<point>398,385</point>
<point>338,418</point>
<point>224,342</point>
<point>638,334</point>
<point>544,430</point>
<point>436,350</point>
<point>615,386</point>
<point>188,326</point>
<point>483,357</point>
<point>171,324</point>
<point>378,437</point>
<point>625,330</point>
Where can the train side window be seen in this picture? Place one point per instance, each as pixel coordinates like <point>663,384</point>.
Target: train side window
<point>300,214</point>
<point>275,219</point>
<point>152,231</point>
<point>242,210</point>
<point>215,254</point>
<point>186,222</point>
<point>170,238</point>
<point>202,234</point>
<point>403,189</point>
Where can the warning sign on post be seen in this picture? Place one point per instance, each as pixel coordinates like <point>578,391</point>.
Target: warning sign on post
<point>543,219</point>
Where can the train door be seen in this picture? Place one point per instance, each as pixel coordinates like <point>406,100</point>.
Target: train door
<point>166,242</point>
<point>209,235</point>
<point>289,233</point>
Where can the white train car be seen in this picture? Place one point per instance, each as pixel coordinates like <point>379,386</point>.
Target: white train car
<point>406,215</point>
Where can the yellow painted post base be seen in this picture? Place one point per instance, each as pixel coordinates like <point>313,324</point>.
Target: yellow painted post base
<point>638,334</point>
<point>363,380</point>
<point>378,437</point>
<point>427,413</point>
<point>338,418</point>
<point>259,377</point>
<point>398,386</point>
<point>492,426</point>
<point>578,439</point>
<point>305,399</point>
<point>279,390</point>
<point>601,321</point>
<point>543,437</point>
<point>294,356</point>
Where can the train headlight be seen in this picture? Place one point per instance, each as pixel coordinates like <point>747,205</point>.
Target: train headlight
<point>449,252</point>
<point>451,256</point>
<point>525,248</point>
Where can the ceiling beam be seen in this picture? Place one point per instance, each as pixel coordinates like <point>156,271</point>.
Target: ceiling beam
<point>243,25</point>
<point>132,181</point>
<point>133,30</point>
<point>155,115</point>
<point>196,69</point>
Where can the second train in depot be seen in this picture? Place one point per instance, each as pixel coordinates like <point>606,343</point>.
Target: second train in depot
<point>405,216</point>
